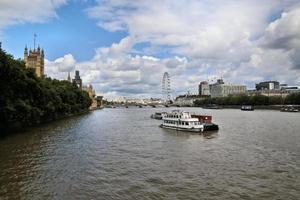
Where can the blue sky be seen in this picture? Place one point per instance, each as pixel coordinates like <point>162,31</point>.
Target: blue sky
<point>71,32</point>
<point>123,47</point>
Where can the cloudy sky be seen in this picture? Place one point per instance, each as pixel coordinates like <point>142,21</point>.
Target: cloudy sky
<point>123,47</point>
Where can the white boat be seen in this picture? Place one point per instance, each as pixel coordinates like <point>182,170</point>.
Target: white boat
<point>247,108</point>
<point>289,108</point>
<point>158,115</point>
<point>182,121</point>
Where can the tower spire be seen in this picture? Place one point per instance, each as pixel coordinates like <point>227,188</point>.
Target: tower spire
<point>34,38</point>
<point>69,77</point>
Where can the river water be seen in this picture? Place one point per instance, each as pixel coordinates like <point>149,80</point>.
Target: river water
<point>122,154</point>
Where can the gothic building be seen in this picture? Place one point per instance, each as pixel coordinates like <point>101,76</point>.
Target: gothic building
<point>35,60</point>
<point>77,80</point>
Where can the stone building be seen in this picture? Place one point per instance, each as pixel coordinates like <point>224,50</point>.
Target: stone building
<point>204,88</point>
<point>77,80</point>
<point>221,89</point>
<point>97,101</point>
<point>35,60</point>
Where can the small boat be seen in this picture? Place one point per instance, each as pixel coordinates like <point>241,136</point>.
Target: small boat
<point>158,115</point>
<point>289,108</point>
<point>184,121</point>
<point>247,108</point>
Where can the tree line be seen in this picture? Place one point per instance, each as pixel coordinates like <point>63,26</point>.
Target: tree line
<point>243,99</point>
<point>27,100</point>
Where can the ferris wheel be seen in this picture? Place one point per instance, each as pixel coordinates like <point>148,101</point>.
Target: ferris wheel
<point>166,87</point>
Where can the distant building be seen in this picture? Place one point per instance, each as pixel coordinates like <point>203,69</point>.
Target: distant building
<point>269,93</point>
<point>188,100</point>
<point>77,80</point>
<point>35,60</point>
<point>69,77</point>
<point>204,88</point>
<point>289,88</point>
<point>90,90</point>
<point>267,85</point>
<point>97,101</point>
<point>221,89</point>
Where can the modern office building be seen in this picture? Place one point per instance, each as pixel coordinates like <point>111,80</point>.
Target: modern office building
<point>267,85</point>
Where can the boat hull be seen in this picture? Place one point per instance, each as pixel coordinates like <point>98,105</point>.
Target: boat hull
<point>195,130</point>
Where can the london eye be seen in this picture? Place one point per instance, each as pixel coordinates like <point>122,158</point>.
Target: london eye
<point>166,87</point>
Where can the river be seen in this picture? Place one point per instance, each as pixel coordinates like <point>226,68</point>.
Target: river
<point>121,153</point>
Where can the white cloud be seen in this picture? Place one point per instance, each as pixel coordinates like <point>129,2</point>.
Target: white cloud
<point>234,39</point>
<point>201,40</point>
<point>197,29</point>
<point>60,67</point>
<point>119,73</point>
<point>284,33</point>
<point>22,11</point>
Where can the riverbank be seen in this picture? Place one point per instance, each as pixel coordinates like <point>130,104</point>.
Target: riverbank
<point>18,127</point>
<point>258,107</point>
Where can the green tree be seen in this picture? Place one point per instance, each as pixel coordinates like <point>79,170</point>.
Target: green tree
<point>27,100</point>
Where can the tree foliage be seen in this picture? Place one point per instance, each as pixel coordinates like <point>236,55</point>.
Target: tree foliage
<point>26,99</point>
<point>244,99</point>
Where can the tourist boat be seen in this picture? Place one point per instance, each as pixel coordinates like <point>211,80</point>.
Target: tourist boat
<point>289,108</point>
<point>247,108</point>
<point>184,121</point>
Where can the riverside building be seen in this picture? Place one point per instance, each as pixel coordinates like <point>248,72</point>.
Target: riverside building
<point>267,85</point>
<point>221,89</point>
<point>204,88</point>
